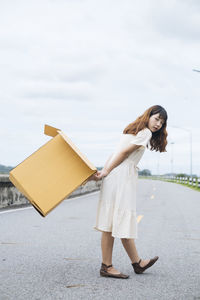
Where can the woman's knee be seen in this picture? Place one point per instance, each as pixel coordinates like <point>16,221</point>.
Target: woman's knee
<point>127,239</point>
<point>107,232</point>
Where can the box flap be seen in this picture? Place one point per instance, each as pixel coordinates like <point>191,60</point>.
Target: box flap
<point>84,158</point>
<point>51,131</point>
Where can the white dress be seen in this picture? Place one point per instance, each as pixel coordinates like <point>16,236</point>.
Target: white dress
<point>116,210</point>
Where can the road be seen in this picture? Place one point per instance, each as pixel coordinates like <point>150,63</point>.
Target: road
<point>59,256</point>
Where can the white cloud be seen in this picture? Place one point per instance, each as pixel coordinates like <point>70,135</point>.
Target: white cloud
<point>90,68</point>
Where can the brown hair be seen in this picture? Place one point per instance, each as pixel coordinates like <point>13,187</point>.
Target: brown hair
<point>158,140</point>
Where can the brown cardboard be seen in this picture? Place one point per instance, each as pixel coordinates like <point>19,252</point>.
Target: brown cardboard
<point>52,173</point>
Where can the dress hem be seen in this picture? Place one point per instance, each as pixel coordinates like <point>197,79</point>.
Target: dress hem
<point>115,235</point>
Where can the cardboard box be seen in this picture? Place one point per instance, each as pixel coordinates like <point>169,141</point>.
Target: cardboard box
<point>52,172</point>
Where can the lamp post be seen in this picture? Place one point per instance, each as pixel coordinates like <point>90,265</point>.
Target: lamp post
<point>172,158</point>
<point>158,164</point>
<point>190,133</point>
<point>195,70</point>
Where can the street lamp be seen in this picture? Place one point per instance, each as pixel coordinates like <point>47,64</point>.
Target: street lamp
<point>190,132</point>
<point>172,159</point>
<point>195,70</point>
<point>158,164</point>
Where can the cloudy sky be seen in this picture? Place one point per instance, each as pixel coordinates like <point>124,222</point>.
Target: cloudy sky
<point>91,67</point>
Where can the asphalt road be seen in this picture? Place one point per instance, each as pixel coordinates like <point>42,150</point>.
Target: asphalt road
<point>59,256</point>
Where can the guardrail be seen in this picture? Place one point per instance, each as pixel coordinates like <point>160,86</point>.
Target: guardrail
<point>10,196</point>
<point>187,180</point>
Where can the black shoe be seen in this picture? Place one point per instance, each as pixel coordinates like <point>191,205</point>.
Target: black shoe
<point>105,273</point>
<point>138,269</point>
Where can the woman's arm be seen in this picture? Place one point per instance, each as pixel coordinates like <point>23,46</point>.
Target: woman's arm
<point>94,176</point>
<point>119,158</point>
<point>107,162</point>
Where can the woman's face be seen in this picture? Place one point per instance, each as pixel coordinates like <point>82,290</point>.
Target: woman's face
<point>155,122</point>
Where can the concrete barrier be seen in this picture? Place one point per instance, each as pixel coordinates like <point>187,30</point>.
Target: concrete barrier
<point>10,196</point>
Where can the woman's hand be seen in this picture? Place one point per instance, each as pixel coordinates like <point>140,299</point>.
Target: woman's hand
<point>103,173</point>
<point>94,176</point>
<point>99,175</point>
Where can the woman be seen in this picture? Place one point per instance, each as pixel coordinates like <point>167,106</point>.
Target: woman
<point>116,212</point>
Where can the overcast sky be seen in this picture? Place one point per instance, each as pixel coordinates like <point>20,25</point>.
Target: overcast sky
<point>92,67</point>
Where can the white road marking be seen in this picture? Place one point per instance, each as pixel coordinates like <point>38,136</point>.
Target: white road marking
<point>139,218</point>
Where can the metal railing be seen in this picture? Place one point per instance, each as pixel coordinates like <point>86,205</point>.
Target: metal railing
<point>186,180</point>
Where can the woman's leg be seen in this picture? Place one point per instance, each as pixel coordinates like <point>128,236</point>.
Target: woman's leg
<point>107,241</point>
<point>129,246</point>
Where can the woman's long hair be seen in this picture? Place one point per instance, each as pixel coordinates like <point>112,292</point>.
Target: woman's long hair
<point>158,140</point>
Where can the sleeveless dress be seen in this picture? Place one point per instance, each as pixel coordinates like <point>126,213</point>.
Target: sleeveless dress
<point>116,209</point>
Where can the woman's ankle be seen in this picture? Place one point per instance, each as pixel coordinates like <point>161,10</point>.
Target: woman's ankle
<point>107,263</point>
<point>136,261</point>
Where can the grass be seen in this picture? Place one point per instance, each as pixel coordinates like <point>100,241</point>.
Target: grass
<point>196,188</point>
